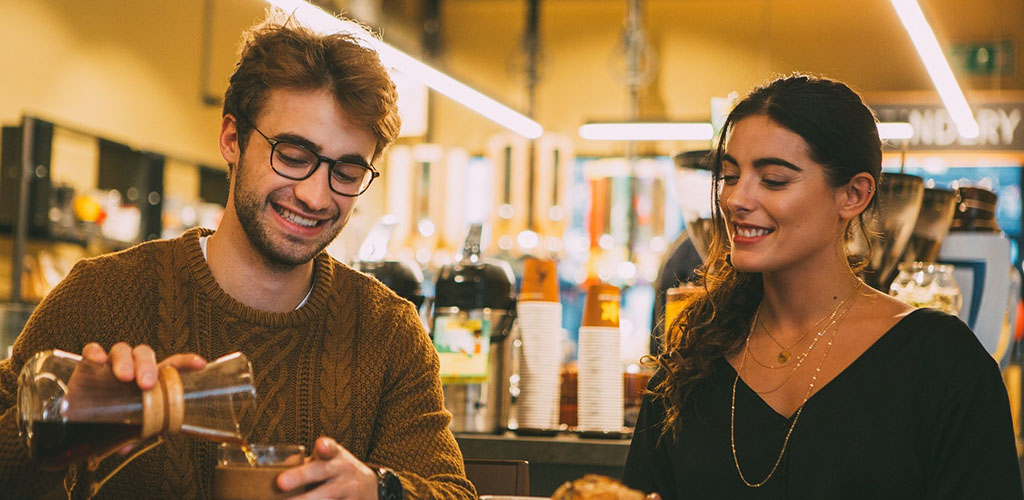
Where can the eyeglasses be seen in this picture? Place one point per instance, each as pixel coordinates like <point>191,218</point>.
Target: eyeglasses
<point>296,162</point>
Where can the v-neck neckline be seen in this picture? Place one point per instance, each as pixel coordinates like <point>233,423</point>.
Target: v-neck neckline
<point>734,375</point>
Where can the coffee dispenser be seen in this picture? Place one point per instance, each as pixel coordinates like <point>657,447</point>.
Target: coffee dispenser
<point>470,326</point>
<point>401,276</point>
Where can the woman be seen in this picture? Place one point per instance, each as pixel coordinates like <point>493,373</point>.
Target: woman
<point>787,377</point>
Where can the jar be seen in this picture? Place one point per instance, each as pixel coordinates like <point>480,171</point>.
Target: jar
<point>926,284</point>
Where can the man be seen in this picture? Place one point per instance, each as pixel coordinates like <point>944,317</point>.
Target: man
<point>342,365</point>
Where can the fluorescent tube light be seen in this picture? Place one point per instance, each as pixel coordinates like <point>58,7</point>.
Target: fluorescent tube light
<point>696,131</point>
<point>647,131</point>
<point>938,67</point>
<point>895,130</point>
<point>320,21</point>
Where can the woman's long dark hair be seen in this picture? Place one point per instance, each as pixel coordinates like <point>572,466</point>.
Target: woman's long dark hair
<point>842,135</point>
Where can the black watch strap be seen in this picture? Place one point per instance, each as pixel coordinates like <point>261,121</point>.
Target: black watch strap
<point>389,487</point>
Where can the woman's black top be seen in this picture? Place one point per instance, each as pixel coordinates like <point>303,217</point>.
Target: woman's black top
<point>923,413</point>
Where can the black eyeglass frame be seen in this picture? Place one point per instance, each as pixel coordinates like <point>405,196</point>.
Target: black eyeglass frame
<point>331,162</point>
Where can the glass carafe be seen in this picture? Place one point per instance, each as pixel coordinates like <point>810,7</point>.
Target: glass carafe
<point>925,284</point>
<point>71,409</point>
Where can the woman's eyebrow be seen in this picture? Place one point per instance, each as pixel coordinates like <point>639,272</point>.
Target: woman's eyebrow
<point>771,160</point>
<point>764,162</point>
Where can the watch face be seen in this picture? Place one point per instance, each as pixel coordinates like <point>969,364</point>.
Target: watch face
<point>389,487</point>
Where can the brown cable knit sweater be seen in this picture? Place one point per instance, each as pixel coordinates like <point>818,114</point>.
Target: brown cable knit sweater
<point>353,363</point>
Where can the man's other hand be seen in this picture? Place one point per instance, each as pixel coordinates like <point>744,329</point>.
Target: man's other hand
<point>342,475</point>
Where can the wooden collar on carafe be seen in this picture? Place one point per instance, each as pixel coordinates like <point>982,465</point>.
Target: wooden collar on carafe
<point>163,406</point>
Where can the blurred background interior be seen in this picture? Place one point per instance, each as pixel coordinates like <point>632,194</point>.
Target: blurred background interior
<point>111,110</point>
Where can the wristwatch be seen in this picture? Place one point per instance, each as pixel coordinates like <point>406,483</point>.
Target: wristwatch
<point>389,487</point>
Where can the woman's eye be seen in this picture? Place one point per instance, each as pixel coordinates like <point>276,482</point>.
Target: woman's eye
<point>774,183</point>
<point>730,179</point>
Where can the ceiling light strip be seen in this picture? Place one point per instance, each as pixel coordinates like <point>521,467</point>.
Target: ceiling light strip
<point>694,131</point>
<point>651,131</point>
<point>895,130</point>
<point>937,66</point>
<point>322,22</point>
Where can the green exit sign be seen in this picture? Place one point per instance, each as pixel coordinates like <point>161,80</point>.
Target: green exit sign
<point>983,58</point>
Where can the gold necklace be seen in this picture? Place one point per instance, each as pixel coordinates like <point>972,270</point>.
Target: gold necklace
<point>769,366</point>
<point>802,357</point>
<point>796,416</point>
<point>785,355</point>
<point>799,357</point>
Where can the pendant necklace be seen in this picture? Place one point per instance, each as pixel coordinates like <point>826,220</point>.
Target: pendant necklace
<point>801,358</point>
<point>785,355</point>
<point>796,416</point>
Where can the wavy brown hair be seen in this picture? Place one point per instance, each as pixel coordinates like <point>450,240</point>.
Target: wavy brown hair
<point>281,54</point>
<point>841,134</point>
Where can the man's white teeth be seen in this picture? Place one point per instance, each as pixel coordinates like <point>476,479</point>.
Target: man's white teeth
<point>748,232</point>
<point>295,218</point>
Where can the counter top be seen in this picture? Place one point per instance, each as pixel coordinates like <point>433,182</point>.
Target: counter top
<point>563,448</point>
<point>553,460</point>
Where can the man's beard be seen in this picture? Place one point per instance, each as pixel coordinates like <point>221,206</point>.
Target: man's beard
<point>250,209</point>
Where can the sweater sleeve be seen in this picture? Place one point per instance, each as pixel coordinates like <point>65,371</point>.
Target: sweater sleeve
<point>61,321</point>
<point>648,468</point>
<point>412,434</point>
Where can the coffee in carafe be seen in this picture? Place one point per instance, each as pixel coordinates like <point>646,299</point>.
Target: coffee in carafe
<point>71,409</point>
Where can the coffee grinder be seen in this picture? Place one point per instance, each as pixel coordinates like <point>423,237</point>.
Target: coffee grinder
<point>980,254</point>
<point>889,229</point>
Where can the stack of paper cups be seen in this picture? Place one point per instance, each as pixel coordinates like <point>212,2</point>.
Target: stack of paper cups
<point>540,327</point>
<point>599,394</point>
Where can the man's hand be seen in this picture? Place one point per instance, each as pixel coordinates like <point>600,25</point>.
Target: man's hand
<point>139,364</point>
<point>344,477</point>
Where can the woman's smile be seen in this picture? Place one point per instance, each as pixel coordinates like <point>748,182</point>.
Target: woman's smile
<point>747,233</point>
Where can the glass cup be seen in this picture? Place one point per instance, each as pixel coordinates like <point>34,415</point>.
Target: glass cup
<point>676,300</point>
<point>236,478</point>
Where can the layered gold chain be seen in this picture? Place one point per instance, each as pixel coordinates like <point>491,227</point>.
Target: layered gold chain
<point>835,320</point>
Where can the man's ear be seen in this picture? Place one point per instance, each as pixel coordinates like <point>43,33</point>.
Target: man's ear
<point>855,196</point>
<point>228,141</point>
